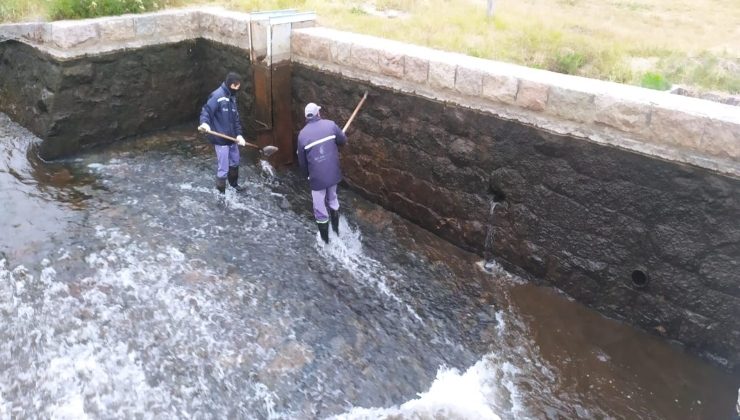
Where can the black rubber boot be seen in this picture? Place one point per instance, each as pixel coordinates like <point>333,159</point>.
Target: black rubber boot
<point>221,185</point>
<point>324,230</point>
<point>234,178</point>
<point>334,216</point>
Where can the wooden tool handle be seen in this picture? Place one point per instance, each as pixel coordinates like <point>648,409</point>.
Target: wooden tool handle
<point>224,136</point>
<point>357,109</point>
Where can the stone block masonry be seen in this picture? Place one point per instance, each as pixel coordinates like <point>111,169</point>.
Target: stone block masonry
<point>659,124</point>
<point>80,83</point>
<point>159,67</point>
<point>573,213</point>
<point>671,127</point>
<point>626,199</point>
<point>80,102</point>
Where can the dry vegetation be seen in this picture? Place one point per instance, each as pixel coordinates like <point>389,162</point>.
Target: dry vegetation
<point>654,43</point>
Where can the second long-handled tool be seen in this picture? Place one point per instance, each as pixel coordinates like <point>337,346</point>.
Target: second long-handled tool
<point>267,150</point>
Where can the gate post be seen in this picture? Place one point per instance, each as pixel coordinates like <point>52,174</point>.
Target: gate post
<point>269,49</point>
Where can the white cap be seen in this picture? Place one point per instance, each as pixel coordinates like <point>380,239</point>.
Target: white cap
<point>311,110</point>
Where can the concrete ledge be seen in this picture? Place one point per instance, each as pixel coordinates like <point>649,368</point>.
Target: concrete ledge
<point>74,38</point>
<point>678,128</point>
<point>72,34</point>
<point>226,27</point>
<point>37,32</point>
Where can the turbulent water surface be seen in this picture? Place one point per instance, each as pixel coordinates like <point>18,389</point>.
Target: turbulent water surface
<point>130,289</point>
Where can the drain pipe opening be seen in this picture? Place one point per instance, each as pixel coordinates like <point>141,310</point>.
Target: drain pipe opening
<point>498,195</point>
<point>640,278</point>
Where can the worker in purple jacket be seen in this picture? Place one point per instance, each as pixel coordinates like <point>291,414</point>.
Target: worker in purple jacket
<point>221,114</point>
<point>318,157</point>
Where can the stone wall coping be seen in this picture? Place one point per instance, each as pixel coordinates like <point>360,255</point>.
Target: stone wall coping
<point>669,126</point>
<point>66,39</point>
<point>575,83</point>
<point>637,94</point>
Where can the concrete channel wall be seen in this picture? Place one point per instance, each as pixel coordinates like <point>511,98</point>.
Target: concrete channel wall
<point>77,84</point>
<point>659,124</point>
<point>625,198</point>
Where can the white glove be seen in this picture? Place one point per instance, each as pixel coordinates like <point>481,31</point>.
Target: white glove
<point>240,141</point>
<point>204,127</point>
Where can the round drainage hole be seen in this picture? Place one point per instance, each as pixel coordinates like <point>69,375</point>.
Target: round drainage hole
<point>639,278</point>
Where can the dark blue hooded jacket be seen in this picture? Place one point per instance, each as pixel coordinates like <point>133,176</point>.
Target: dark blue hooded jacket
<point>318,154</point>
<point>222,114</point>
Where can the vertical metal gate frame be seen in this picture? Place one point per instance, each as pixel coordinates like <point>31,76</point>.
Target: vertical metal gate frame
<point>269,53</point>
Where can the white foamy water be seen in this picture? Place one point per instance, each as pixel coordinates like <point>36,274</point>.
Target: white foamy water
<point>244,203</point>
<point>494,268</point>
<point>116,342</point>
<point>487,390</point>
<point>4,411</point>
<point>267,168</point>
<point>452,395</point>
<point>346,251</point>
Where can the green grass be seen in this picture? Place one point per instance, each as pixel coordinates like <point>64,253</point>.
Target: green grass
<point>617,40</point>
<point>17,10</point>
<point>569,62</point>
<point>402,5</point>
<point>632,5</point>
<point>709,71</point>
<point>654,81</point>
<point>82,9</point>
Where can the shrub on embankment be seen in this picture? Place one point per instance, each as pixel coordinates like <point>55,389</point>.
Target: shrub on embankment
<point>15,10</point>
<point>82,9</point>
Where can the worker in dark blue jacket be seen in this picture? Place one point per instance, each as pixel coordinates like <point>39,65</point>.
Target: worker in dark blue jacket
<point>221,114</point>
<point>318,157</point>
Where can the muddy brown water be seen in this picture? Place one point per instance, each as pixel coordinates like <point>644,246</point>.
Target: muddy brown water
<point>130,288</point>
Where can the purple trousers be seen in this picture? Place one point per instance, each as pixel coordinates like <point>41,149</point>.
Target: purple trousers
<point>323,199</point>
<point>226,156</point>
